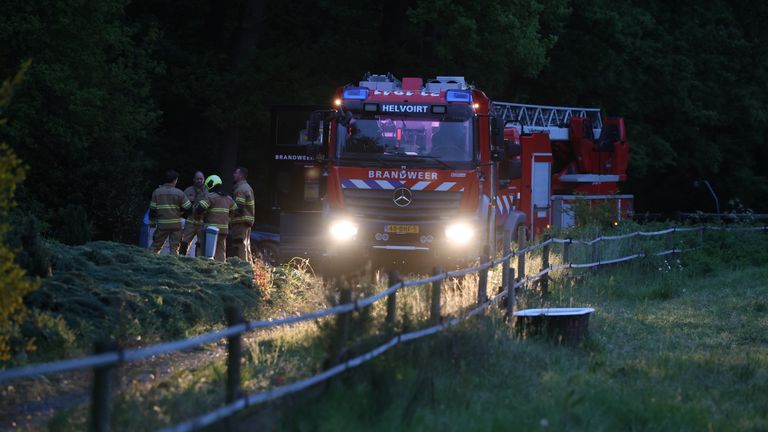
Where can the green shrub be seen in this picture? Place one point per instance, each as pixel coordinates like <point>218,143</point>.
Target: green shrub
<point>75,228</point>
<point>586,212</point>
<point>14,282</point>
<point>31,252</point>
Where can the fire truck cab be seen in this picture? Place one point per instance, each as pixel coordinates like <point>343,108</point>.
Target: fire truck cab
<point>408,175</point>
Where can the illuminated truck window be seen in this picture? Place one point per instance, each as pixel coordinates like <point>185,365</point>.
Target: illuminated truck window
<point>447,140</point>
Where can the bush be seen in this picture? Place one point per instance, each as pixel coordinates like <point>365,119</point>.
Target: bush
<point>31,252</point>
<point>586,212</point>
<point>75,229</point>
<point>14,283</point>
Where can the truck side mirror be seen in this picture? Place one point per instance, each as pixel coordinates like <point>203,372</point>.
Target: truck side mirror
<point>344,117</point>
<point>497,132</point>
<point>313,126</point>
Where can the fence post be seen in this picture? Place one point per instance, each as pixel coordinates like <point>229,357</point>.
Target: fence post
<point>521,244</point>
<point>505,264</point>
<point>509,277</point>
<point>101,395</point>
<point>567,251</point>
<point>668,241</point>
<point>482,286</point>
<point>544,266</point>
<point>234,354</point>
<point>434,309</point>
<point>394,278</point>
<point>342,325</point>
<point>632,244</point>
<point>701,235</point>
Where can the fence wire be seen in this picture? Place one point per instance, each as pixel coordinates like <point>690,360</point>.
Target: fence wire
<point>117,357</point>
<point>113,358</point>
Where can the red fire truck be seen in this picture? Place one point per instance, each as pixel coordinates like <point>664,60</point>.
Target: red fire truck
<point>404,170</point>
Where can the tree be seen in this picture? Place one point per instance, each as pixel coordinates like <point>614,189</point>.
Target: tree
<point>225,66</point>
<point>84,113</point>
<point>13,278</point>
<point>690,79</point>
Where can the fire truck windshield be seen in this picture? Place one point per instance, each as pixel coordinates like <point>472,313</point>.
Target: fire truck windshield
<point>403,137</point>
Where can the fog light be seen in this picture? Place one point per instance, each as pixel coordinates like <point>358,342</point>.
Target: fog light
<point>460,233</point>
<point>343,230</point>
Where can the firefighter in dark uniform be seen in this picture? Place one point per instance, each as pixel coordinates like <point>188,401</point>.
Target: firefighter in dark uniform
<point>194,225</point>
<point>243,221</point>
<point>166,208</point>
<point>217,210</point>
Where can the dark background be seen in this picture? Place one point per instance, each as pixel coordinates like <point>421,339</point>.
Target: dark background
<point>119,91</point>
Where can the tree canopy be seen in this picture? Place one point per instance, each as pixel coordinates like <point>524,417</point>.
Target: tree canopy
<point>119,91</point>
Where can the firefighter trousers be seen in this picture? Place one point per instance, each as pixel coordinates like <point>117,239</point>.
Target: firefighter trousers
<point>173,237</point>
<point>241,241</point>
<point>192,230</point>
<point>221,248</point>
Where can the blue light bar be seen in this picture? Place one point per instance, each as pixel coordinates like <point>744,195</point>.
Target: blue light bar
<point>359,93</point>
<point>458,96</point>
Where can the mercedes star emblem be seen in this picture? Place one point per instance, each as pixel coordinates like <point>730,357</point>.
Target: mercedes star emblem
<point>402,197</point>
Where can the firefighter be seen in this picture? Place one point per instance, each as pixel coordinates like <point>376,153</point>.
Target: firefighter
<point>243,221</point>
<point>194,225</point>
<point>166,209</point>
<point>217,210</point>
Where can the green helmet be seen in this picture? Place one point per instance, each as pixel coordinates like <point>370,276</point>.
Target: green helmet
<point>212,181</point>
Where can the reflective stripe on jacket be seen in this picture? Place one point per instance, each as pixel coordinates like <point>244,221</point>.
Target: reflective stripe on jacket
<point>217,211</point>
<point>245,202</point>
<point>194,195</point>
<point>169,202</point>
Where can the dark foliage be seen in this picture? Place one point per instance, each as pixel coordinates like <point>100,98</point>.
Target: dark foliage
<point>120,91</point>
<point>75,227</point>
<point>31,252</point>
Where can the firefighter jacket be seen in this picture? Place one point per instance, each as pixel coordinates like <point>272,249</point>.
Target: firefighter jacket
<point>168,203</point>
<point>217,211</point>
<point>195,195</point>
<point>245,203</point>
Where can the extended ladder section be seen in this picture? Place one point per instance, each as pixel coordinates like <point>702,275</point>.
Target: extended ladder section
<point>543,118</point>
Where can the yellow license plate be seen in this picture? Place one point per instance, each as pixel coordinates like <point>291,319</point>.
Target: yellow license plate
<point>401,229</point>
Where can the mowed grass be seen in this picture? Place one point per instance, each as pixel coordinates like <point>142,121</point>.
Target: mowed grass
<point>675,344</point>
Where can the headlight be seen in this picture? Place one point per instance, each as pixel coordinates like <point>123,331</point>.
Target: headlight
<point>343,230</point>
<point>460,233</point>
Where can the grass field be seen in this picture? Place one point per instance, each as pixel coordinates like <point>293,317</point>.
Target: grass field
<point>676,344</point>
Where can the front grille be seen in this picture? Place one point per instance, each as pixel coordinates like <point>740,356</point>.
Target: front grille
<point>378,204</point>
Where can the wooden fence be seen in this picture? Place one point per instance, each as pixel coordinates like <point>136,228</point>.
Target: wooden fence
<point>108,357</point>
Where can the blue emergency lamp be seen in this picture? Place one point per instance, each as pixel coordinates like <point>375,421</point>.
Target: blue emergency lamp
<point>458,96</point>
<point>355,93</point>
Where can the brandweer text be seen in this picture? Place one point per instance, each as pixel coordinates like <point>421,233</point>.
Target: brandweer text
<point>402,175</point>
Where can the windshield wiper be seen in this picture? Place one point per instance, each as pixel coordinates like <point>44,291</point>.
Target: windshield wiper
<point>437,159</point>
<point>369,158</point>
